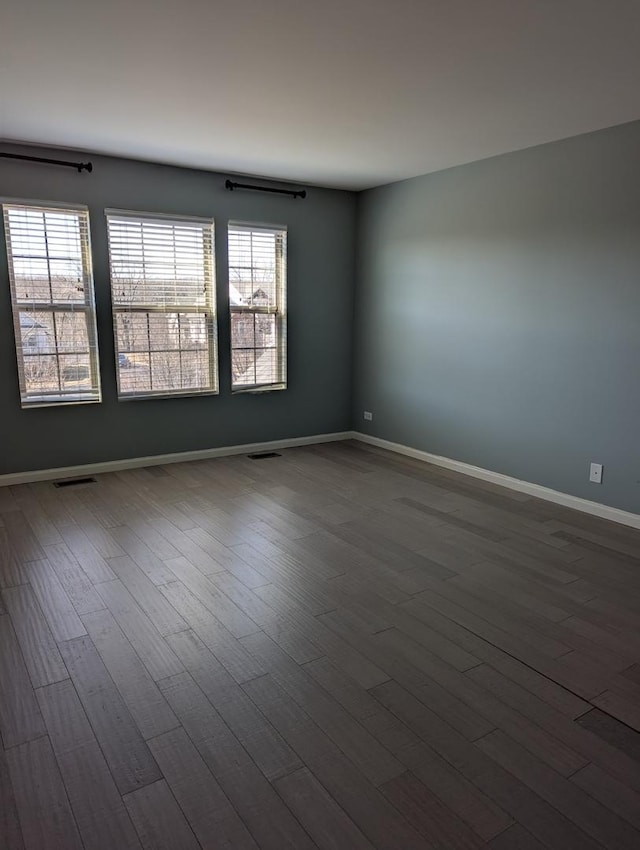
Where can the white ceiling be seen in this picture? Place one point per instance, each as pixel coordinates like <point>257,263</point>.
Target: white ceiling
<point>345,93</point>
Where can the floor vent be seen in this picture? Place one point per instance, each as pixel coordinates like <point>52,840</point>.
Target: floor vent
<point>264,455</point>
<point>73,482</point>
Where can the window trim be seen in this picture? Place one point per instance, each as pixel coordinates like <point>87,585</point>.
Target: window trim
<point>279,310</point>
<point>209,310</point>
<point>88,307</point>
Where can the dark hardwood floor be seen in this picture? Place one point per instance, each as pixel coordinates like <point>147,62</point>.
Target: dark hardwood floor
<point>337,648</point>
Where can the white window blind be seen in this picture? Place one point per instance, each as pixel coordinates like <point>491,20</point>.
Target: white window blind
<point>163,295</point>
<point>257,298</point>
<point>49,258</point>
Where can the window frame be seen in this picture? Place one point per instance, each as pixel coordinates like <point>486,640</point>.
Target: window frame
<point>87,307</point>
<point>208,310</point>
<point>279,310</point>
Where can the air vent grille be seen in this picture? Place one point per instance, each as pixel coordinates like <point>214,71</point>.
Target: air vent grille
<point>264,455</point>
<point>73,482</point>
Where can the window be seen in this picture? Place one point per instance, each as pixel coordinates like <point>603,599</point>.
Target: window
<point>49,255</point>
<point>163,295</point>
<point>257,298</point>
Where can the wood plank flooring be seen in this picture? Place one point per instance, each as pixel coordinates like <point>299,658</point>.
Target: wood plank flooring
<point>335,648</point>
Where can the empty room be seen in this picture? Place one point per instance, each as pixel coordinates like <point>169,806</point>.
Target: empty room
<point>319,417</point>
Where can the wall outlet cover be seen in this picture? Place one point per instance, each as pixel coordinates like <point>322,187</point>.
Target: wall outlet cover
<point>595,473</point>
<point>368,415</point>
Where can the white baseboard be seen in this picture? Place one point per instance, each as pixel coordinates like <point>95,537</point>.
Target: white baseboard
<point>537,490</point>
<point>156,460</point>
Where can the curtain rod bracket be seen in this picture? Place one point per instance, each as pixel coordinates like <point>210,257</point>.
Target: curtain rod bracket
<point>295,193</point>
<point>79,166</point>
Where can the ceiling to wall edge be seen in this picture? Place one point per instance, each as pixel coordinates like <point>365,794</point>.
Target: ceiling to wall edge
<point>42,149</point>
<point>20,145</point>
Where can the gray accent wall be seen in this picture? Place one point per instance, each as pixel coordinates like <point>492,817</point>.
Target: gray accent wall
<point>498,314</point>
<point>320,308</point>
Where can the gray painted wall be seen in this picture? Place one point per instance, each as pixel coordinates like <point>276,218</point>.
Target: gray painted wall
<point>498,314</point>
<point>320,307</point>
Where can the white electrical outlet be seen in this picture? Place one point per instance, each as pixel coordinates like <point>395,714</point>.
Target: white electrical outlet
<point>595,473</point>
<point>368,415</point>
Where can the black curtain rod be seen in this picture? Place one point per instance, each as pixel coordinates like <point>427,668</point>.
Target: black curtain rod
<point>81,166</point>
<point>295,193</point>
